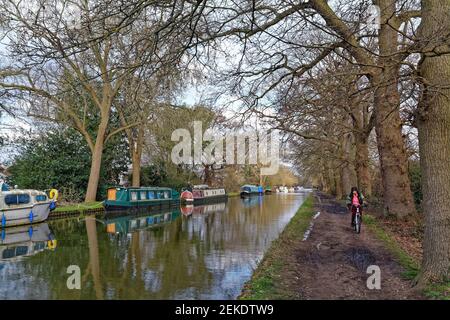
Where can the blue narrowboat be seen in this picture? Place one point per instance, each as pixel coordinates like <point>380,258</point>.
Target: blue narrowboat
<point>121,198</point>
<point>249,190</point>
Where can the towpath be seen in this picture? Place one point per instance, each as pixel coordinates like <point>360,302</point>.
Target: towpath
<point>332,262</point>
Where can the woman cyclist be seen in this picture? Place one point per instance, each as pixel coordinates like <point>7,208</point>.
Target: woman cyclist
<point>355,199</point>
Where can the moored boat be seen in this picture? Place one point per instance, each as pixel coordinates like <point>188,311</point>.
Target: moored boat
<point>121,198</point>
<point>203,194</point>
<point>249,190</point>
<point>187,197</point>
<point>268,190</point>
<point>25,206</point>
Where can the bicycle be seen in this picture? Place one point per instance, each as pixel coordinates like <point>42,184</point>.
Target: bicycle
<point>357,220</point>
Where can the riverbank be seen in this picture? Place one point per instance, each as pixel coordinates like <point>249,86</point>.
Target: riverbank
<point>332,263</point>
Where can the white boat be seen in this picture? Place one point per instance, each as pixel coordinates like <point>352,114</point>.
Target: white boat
<point>24,206</point>
<point>282,189</point>
<point>24,241</point>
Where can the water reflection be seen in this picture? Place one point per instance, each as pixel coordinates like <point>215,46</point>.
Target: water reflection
<point>207,254</point>
<point>19,242</point>
<point>251,201</point>
<point>122,222</point>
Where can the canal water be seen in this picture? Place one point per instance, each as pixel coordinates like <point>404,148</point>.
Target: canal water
<point>206,252</point>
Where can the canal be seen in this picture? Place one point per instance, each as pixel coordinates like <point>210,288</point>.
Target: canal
<point>207,252</point>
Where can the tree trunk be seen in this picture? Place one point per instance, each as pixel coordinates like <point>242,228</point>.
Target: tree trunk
<point>326,185</point>
<point>96,163</point>
<point>397,195</point>
<point>433,122</point>
<point>136,171</point>
<point>208,174</point>
<point>136,145</point>
<point>362,164</point>
<point>332,178</point>
<point>346,169</point>
<point>337,178</point>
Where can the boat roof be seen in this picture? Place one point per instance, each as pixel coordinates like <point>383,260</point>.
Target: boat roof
<point>142,188</point>
<point>205,187</point>
<point>201,186</point>
<point>21,191</point>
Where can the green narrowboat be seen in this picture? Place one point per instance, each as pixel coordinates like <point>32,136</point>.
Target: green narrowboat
<point>121,198</point>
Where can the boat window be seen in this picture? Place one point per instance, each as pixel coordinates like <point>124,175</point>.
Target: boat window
<point>17,199</point>
<point>166,194</point>
<point>134,196</point>
<point>143,195</point>
<point>21,250</point>
<point>39,246</point>
<point>41,197</point>
<point>151,195</point>
<point>8,253</point>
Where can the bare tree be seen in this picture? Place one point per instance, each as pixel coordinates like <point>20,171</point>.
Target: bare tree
<point>64,57</point>
<point>283,41</point>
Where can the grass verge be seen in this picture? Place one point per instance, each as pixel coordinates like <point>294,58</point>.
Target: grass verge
<point>411,266</point>
<point>267,280</point>
<point>233,194</point>
<point>80,207</point>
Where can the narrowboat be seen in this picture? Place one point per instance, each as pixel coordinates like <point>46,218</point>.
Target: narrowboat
<point>249,190</point>
<point>24,241</point>
<point>25,206</point>
<point>203,193</point>
<point>121,198</point>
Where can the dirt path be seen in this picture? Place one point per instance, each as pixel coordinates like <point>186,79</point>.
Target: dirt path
<point>332,262</point>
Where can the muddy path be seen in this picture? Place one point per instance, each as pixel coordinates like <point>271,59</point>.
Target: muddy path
<point>332,262</point>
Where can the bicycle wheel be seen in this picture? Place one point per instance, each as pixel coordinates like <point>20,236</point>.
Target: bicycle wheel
<point>358,224</point>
